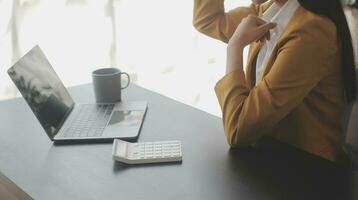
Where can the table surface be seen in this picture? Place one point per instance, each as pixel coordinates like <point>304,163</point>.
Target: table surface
<point>210,170</point>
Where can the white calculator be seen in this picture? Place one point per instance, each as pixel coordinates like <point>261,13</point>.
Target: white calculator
<point>146,152</point>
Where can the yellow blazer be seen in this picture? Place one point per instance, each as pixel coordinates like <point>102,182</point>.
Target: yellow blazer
<point>299,98</point>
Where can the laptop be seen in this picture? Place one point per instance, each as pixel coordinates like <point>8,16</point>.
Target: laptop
<point>63,119</point>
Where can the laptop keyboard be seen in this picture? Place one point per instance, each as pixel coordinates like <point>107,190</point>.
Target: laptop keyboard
<point>88,120</point>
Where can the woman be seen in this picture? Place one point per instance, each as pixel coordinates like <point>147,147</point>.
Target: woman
<point>299,77</point>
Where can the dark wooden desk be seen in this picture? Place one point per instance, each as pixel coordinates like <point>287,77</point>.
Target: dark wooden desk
<point>209,169</point>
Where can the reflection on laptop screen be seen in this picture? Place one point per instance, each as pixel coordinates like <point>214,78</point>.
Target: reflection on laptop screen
<point>42,89</point>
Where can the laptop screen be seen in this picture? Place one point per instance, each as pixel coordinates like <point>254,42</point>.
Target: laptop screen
<point>42,89</point>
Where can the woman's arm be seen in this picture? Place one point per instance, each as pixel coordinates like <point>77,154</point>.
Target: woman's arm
<point>300,64</point>
<point>210,18</point>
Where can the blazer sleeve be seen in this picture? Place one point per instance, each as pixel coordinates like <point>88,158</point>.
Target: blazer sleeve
<point>300,64</point>
<point>210,18</point>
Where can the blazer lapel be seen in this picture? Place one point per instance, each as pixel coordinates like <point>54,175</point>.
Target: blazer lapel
<point>250,68</point>
<point>253,51</point>
<point>296,17</point>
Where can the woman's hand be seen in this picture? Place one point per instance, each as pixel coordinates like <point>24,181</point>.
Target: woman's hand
<point>250,29</point>
<point>258,1</point>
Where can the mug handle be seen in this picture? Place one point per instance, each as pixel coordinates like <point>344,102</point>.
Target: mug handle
<point>129,80</point>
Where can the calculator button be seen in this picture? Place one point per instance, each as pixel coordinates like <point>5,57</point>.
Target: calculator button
<point>149,156</point>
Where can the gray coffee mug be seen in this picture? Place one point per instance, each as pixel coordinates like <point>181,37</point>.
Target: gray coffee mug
<point>107,84</point>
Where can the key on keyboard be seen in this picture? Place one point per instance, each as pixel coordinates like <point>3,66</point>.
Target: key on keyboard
<point>89,120</point>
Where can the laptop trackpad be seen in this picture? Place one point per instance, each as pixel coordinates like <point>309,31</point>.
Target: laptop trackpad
<point>124,123</point>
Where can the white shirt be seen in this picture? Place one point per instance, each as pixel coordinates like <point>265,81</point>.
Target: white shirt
<point>281,16</point>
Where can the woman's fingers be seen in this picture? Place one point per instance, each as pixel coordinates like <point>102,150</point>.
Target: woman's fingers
<point>266,27</point>
<point>258,1</point>
<point>268,35</point>
<point>259,21</point>
<point>251,29</point>
<point>263,31</point>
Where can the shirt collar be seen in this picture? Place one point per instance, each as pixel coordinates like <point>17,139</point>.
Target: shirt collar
<point>280,16</point>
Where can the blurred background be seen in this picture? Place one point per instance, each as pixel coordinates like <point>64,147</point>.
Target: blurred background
<point>154,41</point>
